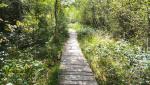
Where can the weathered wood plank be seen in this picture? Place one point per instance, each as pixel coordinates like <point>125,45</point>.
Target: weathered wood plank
<point>76,73</point>
<point>74,69</point>
<point>77,78</point>
<point>78,83</point>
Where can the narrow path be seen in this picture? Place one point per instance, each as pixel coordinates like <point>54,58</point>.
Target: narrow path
<point>74,69</point>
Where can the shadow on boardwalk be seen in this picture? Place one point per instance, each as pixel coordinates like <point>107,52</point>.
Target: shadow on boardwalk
<point>74,69</point>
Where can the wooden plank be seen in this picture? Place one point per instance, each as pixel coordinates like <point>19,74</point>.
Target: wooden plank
<point>76,73</point>
<point>78,83</point>
<point>76,78</point>
<point>74,69</point>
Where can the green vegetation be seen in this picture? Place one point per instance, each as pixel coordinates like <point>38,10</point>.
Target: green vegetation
<point>126,19</point>
<point>114,62</point>
<point>32,34</point>
<point>113,34</point>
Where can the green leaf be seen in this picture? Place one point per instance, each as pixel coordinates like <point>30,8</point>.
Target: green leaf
<point>3,5</point>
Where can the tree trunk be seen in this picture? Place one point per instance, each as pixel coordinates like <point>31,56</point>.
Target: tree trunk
<point>148,28</point>
<point>56,21</point>
<point>94,15</point>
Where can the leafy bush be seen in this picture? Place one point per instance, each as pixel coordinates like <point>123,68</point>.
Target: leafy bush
<point>23,71</point>
<point>114,62</point>
<point>125,19</point>
<point>29,50</point>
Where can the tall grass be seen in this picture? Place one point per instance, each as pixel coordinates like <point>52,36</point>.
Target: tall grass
<point>114,62</point>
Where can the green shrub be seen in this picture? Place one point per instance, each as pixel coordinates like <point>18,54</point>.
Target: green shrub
<point>25,72</point>
<point>28,48</point>
<point>114,62</point>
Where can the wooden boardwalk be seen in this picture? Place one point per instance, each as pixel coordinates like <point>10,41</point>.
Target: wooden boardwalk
<point>74,69</point>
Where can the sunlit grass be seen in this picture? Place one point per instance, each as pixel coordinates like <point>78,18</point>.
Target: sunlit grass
<point>110,59</point>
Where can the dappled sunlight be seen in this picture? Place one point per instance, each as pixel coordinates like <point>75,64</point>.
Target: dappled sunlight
<point>110,59</point>
<point>74,42</point>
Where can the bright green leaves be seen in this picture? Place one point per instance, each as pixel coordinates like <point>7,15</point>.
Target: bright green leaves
<point>23,71</point>
<point>114,62</point>
<point>3,5</point>
<point>127,19</point>
<point>27,33</point>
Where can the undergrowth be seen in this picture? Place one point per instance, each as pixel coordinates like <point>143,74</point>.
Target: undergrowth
<point>114,62</point>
